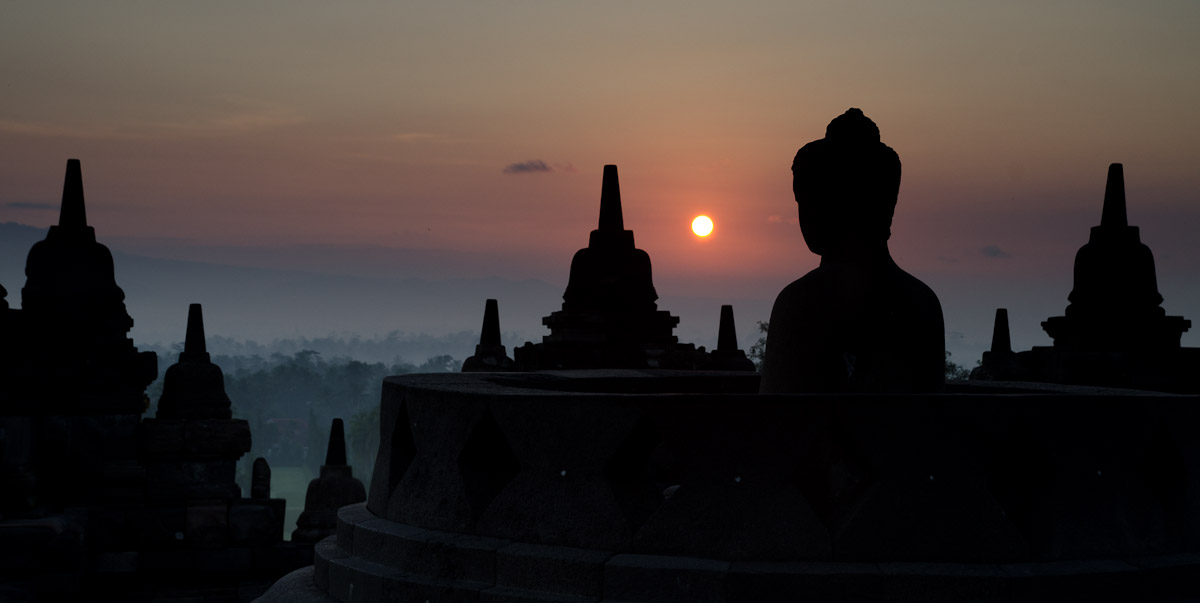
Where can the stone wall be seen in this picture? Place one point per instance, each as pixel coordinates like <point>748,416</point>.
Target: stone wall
<point>653,486</point>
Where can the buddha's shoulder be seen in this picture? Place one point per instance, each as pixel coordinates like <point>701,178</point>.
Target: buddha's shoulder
<point>915,287</point>
<point>805,290</point>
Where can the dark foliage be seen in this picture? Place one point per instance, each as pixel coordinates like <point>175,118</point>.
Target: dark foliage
<point>291,400</point>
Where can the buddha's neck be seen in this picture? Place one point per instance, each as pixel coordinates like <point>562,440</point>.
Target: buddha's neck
<point>858,252</point>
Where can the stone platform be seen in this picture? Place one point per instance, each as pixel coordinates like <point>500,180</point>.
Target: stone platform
<point>661,486</point>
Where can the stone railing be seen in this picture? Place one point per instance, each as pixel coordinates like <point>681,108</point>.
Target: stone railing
<point>660,486</point>
<point>695,465</point>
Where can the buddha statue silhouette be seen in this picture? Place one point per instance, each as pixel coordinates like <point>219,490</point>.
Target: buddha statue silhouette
<point>857,323</point>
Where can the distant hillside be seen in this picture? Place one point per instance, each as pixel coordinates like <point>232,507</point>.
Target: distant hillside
<point>263,305</point>
<point>344,302</point>
<point>15,241</point>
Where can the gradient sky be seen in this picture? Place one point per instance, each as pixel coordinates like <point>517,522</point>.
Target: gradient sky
<point>236,124</point>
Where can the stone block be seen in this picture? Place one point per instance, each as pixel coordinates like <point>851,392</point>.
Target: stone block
<point>296,587</point>
<point>166,561</point>
<point>224,560</point>
<point>114,434</point>
<point>436,554</point>
<point>198,598</point>
<point>348,517</point>
<point>298,553</point>
<point>162,526</point>
<point>726,518</point>
<point>664,579</point>
<point>755,582</point>
<point>108,529</point>
<point>406,587</point>
<point>161,439</point>
<point>919,462</point>
<point>353,580</point>
<point>16,441</point>
<point>216,438</point>
<point>207,524</point>
<point>433,492</point>
<point>1171,577</point>
<point>559,492</point>
<point>116,563</point>
<point>39,543</point>
<point>552,569</point>
<point>279,557</point>
<point>396,449</point>
<point>1104,581</point>
<point>324,554</point>
<point>180,480</point>
<point>255,522</point>
<point>516,595</point>
<point>943,582</point>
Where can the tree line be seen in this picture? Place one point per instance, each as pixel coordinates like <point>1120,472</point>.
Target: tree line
<point>291,400</point>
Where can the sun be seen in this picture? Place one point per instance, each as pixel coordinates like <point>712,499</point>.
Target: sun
<point>702,226</point>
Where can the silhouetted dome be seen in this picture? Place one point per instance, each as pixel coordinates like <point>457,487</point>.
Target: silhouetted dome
<point>852,127</point>
<point>194,387</point>
<point>858,323</point>
<point>335,488</point>
<point>69,276</point>
<point>847,183</point>
<point>71,299</point>
<point>1115,302</point>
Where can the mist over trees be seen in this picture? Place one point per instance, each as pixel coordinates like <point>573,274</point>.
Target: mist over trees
<point>291,399</point>
<point>394,348</point>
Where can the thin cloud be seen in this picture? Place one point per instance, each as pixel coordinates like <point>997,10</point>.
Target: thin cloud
<point>220,116</point>
<point>229,115</point>
<point>993,251</point>
<point>25,128</point>
<point>532,166</point>
<point>414,136</point>
<point>31,205</point>
<point>429,138</point>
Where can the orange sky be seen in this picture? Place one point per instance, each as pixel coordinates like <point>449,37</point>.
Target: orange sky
<point>390,124</point>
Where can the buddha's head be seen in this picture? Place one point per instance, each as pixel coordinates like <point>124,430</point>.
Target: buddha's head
<point>846,186</point>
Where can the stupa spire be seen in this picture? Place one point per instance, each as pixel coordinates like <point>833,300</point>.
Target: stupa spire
<point>72,213</point>
<point>490,354</point>
<point>727,356</point>
<point>1001,342</point>
<point>335,488</point>
<point>609,318</point>
<point>336,453</point>
<point>726,333</point>
<point>260,484</point>
<point>194,387</point>
<point>491,324</point>
<point>1114,215</point>
<point>610,202</point>
<point>1115,305</point>
<point>194,349</point>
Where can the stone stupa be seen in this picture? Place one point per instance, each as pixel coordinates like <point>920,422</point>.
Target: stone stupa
<point>1115,304</point>
<point>609,316</point>
<point>71,301</point>
<point>192,444</point>
<point>727,356</point>
<point>1115,332</point>
<point>490,355</point>
<point>335,488</point>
